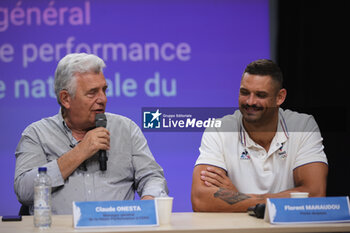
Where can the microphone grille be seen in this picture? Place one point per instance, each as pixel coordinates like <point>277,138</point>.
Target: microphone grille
<point>101,120</point>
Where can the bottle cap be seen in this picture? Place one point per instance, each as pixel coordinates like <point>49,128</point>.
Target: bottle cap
<point>42,169</point>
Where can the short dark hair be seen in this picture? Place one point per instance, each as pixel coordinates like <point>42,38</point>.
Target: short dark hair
<point>266,67</point>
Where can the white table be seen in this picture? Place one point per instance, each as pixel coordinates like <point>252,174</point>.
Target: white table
<point>182,223</point>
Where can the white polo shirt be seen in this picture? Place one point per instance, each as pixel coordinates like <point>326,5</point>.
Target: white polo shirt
<point>253,170</point>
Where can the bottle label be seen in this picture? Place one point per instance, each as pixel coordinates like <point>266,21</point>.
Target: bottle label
<point>42,199</point>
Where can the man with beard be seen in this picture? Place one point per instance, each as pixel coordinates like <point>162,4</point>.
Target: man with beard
<point>266,153</point>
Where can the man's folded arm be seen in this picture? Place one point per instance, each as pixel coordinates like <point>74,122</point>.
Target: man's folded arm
<point>212,198</point>
<point>213,191</point>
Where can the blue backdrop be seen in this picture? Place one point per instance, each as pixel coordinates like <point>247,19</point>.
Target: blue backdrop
<point>176,53</point>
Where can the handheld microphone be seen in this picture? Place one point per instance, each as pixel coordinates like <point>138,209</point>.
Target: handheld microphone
<point>101,121</point>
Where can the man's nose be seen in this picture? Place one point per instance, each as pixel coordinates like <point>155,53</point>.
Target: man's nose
<point>101,98</point>
<point>251,100</point>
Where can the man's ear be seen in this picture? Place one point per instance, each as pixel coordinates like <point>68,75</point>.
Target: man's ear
<point>281,96</point>
<point>65,99</point>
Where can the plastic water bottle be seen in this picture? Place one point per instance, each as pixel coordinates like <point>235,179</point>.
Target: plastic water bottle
<point>42,199</point>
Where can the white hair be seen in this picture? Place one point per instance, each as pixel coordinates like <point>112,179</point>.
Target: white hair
<point>71,65</point>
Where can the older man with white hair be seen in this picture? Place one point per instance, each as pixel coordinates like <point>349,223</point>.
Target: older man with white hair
<point>68,145</point>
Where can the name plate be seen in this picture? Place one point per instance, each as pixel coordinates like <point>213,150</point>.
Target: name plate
<point>307,210</point>
<point>114,213</point>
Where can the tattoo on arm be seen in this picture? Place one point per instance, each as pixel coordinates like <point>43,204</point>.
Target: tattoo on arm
<point>229,196</point>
